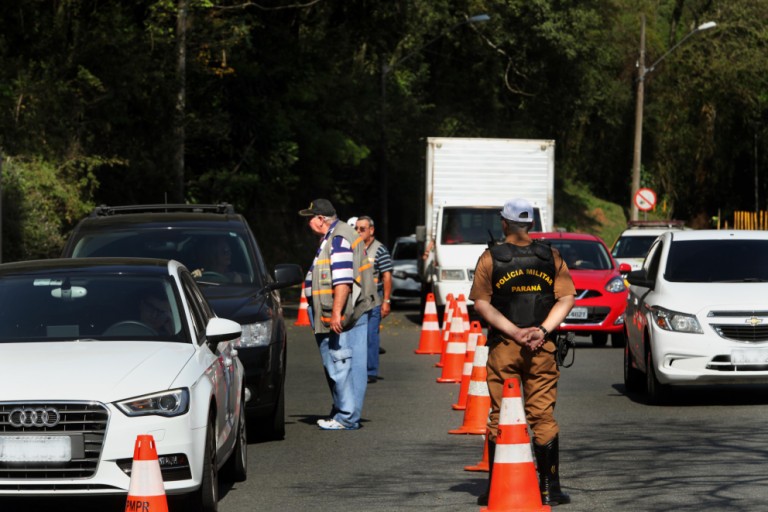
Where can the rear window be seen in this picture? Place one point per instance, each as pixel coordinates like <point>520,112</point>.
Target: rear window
<point>713,261</point>
<point>633,246</point>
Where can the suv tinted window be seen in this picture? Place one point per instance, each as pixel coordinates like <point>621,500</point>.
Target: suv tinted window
<point>220,256</point>
<point>709,261</point>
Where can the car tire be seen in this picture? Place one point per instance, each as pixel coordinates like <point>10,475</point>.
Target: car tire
<point>599,339</point>
<point>277,427</point>
<point>237,466</point>
<point>654,390</point>
<point>618,339</point>
<point>206,498</point>
<point>633,378</point>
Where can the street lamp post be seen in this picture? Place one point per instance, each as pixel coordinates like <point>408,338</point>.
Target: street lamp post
<point>642,72</point>
<point>382,230</point>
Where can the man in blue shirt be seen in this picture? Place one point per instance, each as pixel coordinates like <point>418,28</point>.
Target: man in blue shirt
<point>379,257</point>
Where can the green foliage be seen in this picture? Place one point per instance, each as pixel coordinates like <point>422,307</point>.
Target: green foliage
<point>41,200</point>
<point>287,101</point>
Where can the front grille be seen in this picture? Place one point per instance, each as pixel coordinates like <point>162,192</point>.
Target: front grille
<point>745,333</point>
<point>84,422</point>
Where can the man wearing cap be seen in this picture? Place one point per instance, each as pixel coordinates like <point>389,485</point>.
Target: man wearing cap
<point>340,293</point>
<point>524,291</point>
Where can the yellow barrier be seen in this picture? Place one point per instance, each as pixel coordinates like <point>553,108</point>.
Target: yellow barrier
<point>750,220</point>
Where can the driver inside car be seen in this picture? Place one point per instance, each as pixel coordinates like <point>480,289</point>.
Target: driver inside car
<point>155,311</point>
<point>216,261</point>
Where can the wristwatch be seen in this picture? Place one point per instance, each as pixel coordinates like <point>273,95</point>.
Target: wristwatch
<point>544,330</point>
<point>388,301</point>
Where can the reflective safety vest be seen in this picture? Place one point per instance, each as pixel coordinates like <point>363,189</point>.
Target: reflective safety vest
<point>363,295</point>
<point>523,282</point>
<point>372,250</point>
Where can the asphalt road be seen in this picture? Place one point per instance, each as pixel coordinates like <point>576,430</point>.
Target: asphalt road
<point>706,450</point>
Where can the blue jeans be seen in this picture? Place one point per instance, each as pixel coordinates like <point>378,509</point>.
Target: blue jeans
<point>344,360</point>
<point>374,341</point>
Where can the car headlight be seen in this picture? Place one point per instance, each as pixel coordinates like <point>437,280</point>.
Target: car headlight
<point>167,403</point>
<point>257,334</point>
<point>452,274</point>
<point>615,285</point>
<point>674,321</point>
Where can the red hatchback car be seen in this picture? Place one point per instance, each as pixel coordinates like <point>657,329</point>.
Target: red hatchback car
<point>601,294</point>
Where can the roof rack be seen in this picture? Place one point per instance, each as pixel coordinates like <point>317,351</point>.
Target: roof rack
<point>656,224</point>
<point>104,210</point>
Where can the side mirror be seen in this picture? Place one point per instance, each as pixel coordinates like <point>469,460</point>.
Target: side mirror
<point>286,274</point>
<point>625,268</point>
<point>221,329</point>
<point>638,278</point>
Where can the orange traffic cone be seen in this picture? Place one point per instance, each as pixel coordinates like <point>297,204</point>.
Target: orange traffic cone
<point>430,342</point>
<point>478,397</point>
<point>484,464</point>
<point>303,316</point>
<point>461,303</point>
<point>146,492</point>
<point>450,311</point>
<point>455,351</point>
<point>514,485</point>
<point>474,334</point>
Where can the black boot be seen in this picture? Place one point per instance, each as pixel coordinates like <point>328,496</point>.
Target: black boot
<point>548,468</point>
<point>483,498</point>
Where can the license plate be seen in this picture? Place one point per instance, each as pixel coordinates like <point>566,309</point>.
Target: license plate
<point>749,356</point>
<point>35,449</point>
<point>577,313</point>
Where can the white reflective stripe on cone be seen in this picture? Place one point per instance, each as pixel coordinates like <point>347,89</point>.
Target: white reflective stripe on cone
<point>431,325</point>
<point>456,348</point>
<point>481,356</point>
<point>467,369</point>
<point>513,453</point>
<point>146,479</point>
<point>512,412</point>
<point>478,388</point>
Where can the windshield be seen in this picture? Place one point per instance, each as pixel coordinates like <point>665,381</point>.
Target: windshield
<point>211,255</point>
<point>471,225</point>
<point>69,307</point>
<point>633,246</point>
<point>583,254</point>
<point>404,250</point>
<point>710,261</point>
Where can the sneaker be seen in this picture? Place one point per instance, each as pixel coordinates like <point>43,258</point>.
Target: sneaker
<point>332,424</point>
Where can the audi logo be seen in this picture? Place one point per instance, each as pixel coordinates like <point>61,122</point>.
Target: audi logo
<point>34,417</point>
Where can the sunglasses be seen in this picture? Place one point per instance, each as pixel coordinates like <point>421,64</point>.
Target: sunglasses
<point>360,229</point>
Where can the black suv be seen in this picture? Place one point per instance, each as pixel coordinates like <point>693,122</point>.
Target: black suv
<point>219,248</point>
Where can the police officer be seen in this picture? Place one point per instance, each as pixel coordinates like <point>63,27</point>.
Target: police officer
<point>523,290</point>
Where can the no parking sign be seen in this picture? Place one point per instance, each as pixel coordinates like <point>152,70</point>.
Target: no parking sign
<point>645,199</point>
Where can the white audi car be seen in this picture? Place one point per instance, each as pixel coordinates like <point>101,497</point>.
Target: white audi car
<point>94,352</point>
<point>697,312</point>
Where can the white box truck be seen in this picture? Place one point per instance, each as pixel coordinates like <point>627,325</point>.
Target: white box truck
<point>467,182</point>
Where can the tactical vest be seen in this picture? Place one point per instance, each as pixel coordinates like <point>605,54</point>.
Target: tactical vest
<point>372,250</point>
<point>363,295</point>
<point>523,282</point>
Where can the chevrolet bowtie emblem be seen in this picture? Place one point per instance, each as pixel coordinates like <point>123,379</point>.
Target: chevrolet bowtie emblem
<point>754,321</point>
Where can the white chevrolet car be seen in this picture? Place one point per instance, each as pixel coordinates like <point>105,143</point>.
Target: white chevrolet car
<point>94,352</point>
<point>697,312</point>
